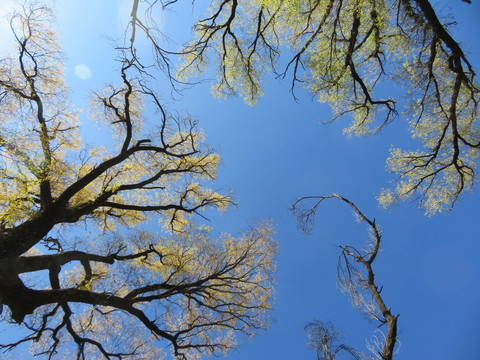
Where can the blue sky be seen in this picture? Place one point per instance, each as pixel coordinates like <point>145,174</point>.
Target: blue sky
<point>278,151</point>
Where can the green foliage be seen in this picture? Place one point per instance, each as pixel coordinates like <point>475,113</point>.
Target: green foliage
<point>112,290</point>
<point>343,50</point>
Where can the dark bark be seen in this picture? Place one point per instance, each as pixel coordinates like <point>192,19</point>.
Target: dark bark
<point>350,278</point>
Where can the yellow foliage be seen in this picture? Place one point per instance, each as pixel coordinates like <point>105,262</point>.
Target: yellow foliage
<point>342,51</point>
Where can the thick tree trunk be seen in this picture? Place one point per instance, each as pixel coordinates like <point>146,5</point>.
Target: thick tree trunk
<point>13,293</point>
<point>391,338</point>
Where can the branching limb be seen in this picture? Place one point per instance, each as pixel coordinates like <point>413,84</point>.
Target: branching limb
<point>353,280</point>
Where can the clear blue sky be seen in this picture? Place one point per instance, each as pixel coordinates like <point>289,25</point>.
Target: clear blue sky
<point>277,151</point>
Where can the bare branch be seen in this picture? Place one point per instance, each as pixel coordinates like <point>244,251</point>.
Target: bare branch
<point>355,281</point>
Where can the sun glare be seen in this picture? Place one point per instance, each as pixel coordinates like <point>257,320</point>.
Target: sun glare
<point>83,72</point>
<point>6,39</point>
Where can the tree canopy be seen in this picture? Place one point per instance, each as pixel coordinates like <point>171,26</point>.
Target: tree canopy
<point>344,52</point>
<point>81,269</point>
<point>76,266</point>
